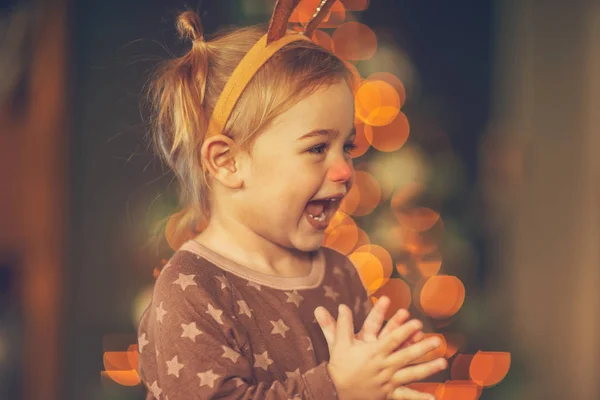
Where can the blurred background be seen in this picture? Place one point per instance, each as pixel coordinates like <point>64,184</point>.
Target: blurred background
<point>487,174</point>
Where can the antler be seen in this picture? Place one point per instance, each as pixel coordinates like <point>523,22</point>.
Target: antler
<point>279,21</point>
<point>318,16</point>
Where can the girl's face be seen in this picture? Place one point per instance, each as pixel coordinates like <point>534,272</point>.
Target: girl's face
<point>300,169</point>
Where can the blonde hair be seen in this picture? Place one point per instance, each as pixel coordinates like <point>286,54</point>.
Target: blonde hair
<point>184,91</point>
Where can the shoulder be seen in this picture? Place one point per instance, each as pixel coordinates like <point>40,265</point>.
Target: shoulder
<point>339,262</point>
<point>192,279</point>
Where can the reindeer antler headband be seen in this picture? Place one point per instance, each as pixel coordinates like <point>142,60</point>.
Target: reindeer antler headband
<point>275,38</point>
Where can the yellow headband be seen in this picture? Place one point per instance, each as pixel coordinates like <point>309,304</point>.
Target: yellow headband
<point>259,54</point>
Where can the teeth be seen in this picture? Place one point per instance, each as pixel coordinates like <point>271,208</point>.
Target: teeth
<point>320,218</point>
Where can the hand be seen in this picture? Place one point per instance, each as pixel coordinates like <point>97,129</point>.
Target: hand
<point>369,333</point>
<point>374,371</point>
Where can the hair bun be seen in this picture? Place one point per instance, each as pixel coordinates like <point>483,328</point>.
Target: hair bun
<point>189,26</point>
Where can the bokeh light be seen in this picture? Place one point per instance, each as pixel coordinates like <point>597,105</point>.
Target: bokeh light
<point>441,296</point>
<point>397,291</point>
<point>488,368</point>
<point>389,137</point>
<point>376,103</point>
<point>354,41</point>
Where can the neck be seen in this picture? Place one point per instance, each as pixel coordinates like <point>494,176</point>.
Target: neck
<point>239,243</point>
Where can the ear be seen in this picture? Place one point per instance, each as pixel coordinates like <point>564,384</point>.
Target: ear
<point>218,156</point>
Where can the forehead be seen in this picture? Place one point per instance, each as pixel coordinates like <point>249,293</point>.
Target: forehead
<point>331,107</point>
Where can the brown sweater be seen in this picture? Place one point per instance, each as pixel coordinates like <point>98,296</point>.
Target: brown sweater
<point>217,329</point>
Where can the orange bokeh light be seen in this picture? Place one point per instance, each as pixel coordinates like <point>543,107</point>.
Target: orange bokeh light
<point>354,41</point>
<point>429,264</point>
<point>335,17</point>
<point>356,5</point>
<point>489,367</point>
<point>376,103</point>
<point>356,80</point>
<point>322,39</point>
<point>434,388</point>
<point>419,219</point>
<point>369,269</point>
<point>442,296</point>
<point>369,193</point>
<point>343,236</point>
<point>389,137</point>
<point>392,80</point>
<point>461,390</point>
<point>383,256</point>
<point>363,239</point>
<point>397,291</point>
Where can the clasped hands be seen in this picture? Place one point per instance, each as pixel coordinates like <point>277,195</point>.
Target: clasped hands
<point>370,332</point>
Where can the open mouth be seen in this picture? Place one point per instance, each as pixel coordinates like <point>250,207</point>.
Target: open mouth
<point>319,212</point>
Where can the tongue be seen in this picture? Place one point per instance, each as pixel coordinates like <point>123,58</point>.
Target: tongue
<point>315,208</point>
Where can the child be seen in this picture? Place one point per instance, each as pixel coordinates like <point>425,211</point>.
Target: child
<point>258,128</point>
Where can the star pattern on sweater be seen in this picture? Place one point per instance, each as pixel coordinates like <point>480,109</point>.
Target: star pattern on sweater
<point>174,366</point>
<point>279,327</point>
<point>262,361</point>
<point>294,297</point>
<point>160,312</point>
<point>329,292</point>
<point>215,313</point>
<point>185,280</point>
<point>290,374</point>
<point>190,331</point>
<point>338,271</point>
<point>310,345</point>
<point>142,342</point>
<point>356,308</point>
<point>244,309</point>
<point>155,390</point>
<point>208,378</point>
<point>229,353</point>
<point>223,280</point>
<point>254,285</point>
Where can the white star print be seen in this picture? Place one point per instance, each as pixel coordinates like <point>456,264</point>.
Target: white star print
<point>208,378</point>
<point>160,312</point>
<point>185,281</point>
<point>254,285</point>
<point>190,331</point>
<point>230,353</point>
<point>279,327</point>
<point>155,390</point>
<point>244,308</point>
<point>215,313</point>
<point>329,292</point>
<point>290,374</point>
<point>262,361</point>
<point>310,345</point>
<point>294,297</point>
<point>338,271</point>
<point>142,342</point>
<point>174,367</point>
<point>223,280</point>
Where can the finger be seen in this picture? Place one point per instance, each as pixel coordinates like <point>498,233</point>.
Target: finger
<point>345,325</point>
<point>404,393</point>
<point>404,357</point>
<point>415,338</point>
<point>392,341</point>
<point>327,324</point>
<point>374,321</point>
<point>398,319</point>
<point>418,372</point>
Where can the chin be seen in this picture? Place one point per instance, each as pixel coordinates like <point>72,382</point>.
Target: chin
<point>309,244</point>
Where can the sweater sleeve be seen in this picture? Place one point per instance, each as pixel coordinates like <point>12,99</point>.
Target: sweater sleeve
<point>195,349</point>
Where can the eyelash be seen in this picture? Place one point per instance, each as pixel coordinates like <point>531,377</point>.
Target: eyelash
<point>348,147</point>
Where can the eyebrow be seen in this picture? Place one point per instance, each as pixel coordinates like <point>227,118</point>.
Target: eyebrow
<point>326,132</point>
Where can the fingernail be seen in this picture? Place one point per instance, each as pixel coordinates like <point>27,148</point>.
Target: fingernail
<point>340,308</point>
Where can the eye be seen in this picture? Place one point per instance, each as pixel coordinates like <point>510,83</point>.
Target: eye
<point>318,149</point>
<point>349,147</point>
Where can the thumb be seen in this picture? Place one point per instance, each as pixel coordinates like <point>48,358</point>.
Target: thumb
<point>327,325</point>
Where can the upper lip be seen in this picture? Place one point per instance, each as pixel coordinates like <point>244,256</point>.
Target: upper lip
<point>336,196</point>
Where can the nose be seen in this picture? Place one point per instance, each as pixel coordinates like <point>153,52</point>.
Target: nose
<point>341,171</point>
